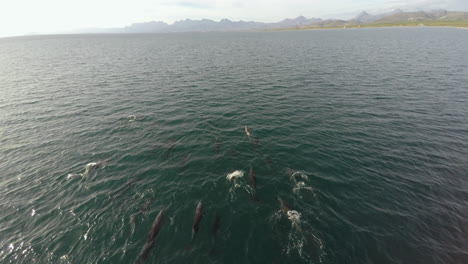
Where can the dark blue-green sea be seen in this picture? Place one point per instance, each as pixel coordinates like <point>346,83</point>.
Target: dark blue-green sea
<point>361,135</point>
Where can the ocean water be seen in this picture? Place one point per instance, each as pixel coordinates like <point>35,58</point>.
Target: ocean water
<point>362,133</point>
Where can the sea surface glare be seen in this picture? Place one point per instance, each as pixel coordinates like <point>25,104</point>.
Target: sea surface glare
<point>362,134</point>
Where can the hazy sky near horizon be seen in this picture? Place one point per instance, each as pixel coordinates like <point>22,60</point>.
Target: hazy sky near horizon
<point>18,17</point>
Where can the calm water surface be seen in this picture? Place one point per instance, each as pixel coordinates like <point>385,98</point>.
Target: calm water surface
<point>363,133</point>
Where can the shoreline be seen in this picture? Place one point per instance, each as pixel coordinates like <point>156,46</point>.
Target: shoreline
<point>367,26</point>
<point>251,30</point>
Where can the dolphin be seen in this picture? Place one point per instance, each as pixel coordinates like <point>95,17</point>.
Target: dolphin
<point>215,226</point>
<point>94,166</point>
<point>214,231</point>
<point>291,174</point>
<point>150,239</point>
<point>197,219</point>
<point>169,148</point>
<point>284,207</point>
<point>253,178</point>
<point>253,183</point>
<point>101,163</point>
<point>247,131</point>
<point>217,145</point>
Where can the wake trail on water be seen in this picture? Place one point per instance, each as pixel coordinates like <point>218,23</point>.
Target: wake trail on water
<point>296,239</point>
<point>300,239</point>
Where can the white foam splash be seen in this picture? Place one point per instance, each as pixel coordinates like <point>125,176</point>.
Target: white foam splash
<point>304,176</point>
<point>92,166</point>
<point>65,259</point>
<point>296,241</point>
<point>131,118</point>
<point>33,212</point>
<point>295,218</point>
<point>234,175</point>
<point>296,237</point>
<point>300,180</point>
<point>89,167</point>
<point>234,187</point>
<point>302,186</point>
<point>85,236</point>
<point>276,217</point>
<point>299,174</point>
<point>73,175</point>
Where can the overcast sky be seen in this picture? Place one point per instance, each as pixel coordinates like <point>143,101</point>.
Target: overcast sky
<point>19,17</point>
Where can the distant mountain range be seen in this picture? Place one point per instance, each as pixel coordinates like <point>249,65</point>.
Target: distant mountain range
<point>205,25</point>
<point>189,25</point>
<point>398,17</point>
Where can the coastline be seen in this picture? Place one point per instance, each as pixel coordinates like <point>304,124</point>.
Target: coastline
<point>443,24</point>
<point>447,25</point>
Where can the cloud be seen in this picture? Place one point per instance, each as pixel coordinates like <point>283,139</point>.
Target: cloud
<point>416,5</point>
<point>189,4</point>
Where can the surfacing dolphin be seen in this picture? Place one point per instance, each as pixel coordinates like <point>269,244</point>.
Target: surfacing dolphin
<point>151,237</point>
<point>257,142</point>
<point>253,178</point>
<point>253,183</point>
<point>197,219</point>
<point>247,131</point>
<point>215,226</point>
<point>284,207</point>
<point>94,166</point>
<point>214,230</point>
